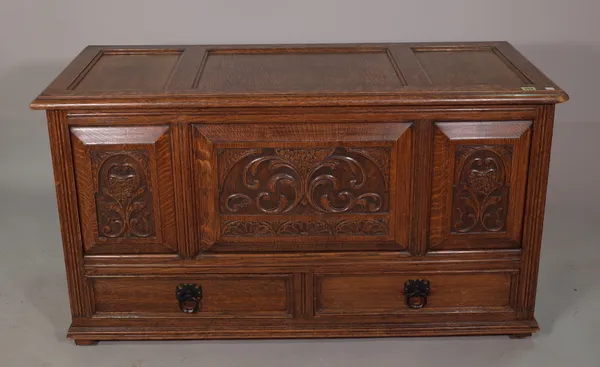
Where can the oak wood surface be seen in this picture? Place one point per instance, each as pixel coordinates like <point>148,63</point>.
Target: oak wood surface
<point>125,184</point>
<point>264,75</point>
<point>293,190</point>
<point>367,294</point>
<point>241,295</point>
<point>85,342</point>
<point>479,178</point>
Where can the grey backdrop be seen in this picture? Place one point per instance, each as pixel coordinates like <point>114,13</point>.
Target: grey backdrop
<point>38,38</point>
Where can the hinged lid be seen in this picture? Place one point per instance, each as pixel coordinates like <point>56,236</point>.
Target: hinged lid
<point>298,75</point>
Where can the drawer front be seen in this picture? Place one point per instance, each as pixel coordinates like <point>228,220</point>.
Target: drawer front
<point>385,294</point>
<point>200,296</point>
<point>125,187</point>
<point>303,186</point>
<point>479,182</point>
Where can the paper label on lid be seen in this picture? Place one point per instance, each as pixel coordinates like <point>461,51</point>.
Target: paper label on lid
<point>528,88</point>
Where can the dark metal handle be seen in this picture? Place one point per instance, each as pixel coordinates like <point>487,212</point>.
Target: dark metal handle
<point>189,297</point>
<point>416,292</point>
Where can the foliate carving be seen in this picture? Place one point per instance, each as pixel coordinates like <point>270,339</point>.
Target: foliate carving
<point>361,228</point>
<point>304,159</point>
<point>124,202</point>
<point>481,193</point>
<point>236,228</point>
<point>239,228</point>
<point>301,181</point>
<point>300,228</point>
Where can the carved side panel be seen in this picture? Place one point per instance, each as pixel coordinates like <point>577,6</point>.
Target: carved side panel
<point>480,202</point>
<point>305,180</point>
<point>125,187</point>
<point>478,188</point>
<point>124,203</point>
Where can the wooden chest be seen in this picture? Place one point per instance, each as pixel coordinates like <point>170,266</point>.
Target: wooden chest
<point>300,190</point>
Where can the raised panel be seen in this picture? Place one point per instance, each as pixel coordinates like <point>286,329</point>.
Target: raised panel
<point>383,294</point>
<point>223,296</point>
<point>478,190</point>
<point>127,70</point>
<point>468,66</point>
<point>125,187</point>
<point>305,69</point>
<point>337,182</point>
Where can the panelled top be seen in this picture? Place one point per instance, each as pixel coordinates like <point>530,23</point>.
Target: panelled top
<point>310,75</point>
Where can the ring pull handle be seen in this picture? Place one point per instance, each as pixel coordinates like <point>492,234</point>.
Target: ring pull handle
<point>416,292</point>
<point>189,297</point>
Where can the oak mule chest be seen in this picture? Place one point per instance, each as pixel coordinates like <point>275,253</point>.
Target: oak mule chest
<point>264,191</point>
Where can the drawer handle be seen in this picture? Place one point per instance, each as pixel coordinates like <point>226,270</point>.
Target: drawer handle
<point>416,292</point>
<point>189,297</point>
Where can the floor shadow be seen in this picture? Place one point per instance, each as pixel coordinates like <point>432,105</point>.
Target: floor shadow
<point>31,263</point>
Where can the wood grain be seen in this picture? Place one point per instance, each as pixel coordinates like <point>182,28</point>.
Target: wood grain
<point>298,70</point>
<point>206,188</point>
<point>535,203</point>
<point>421,178</point>
<point>333,331</point>
<point>382,294</point>
<point>224,296</point>
<point>105,73</point>
<point>184,192</point>
<point>80,294</point>
<point>468,66</point>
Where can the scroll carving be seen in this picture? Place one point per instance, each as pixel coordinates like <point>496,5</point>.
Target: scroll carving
<point>362,227</point>
<point>307,180</point>
<point>481,192</point>
<point>124,202</point>
<point>378,156</point>
<point>229,157</point>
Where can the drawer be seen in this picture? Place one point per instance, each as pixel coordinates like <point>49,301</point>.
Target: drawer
<point>385,294</point>
<point>198,296</point>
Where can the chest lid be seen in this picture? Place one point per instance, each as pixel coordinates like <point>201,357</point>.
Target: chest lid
<point>309,75</point>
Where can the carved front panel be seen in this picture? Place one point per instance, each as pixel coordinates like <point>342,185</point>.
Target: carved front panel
<point>304,180</point>
<point>302,188</point>
<point>478,184</point>
<point>125,207</point>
